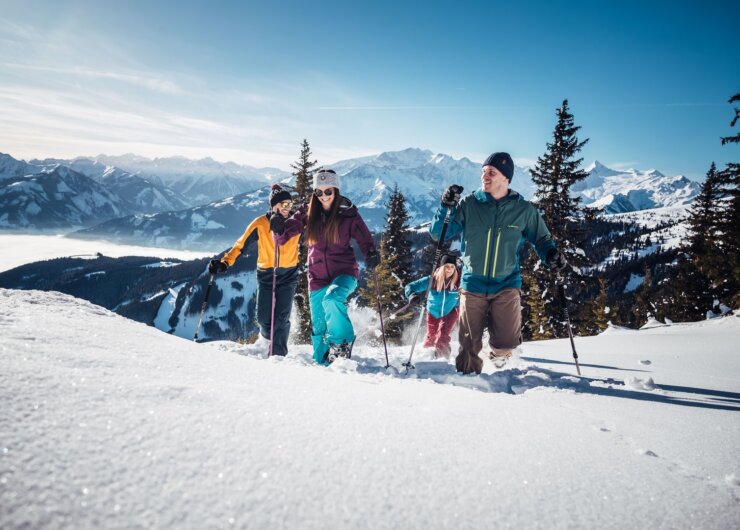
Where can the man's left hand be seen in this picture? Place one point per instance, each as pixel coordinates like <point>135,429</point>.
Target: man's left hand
<point>556,260</point>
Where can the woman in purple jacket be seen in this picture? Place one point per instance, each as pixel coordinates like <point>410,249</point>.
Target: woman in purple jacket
<point>330,223</point>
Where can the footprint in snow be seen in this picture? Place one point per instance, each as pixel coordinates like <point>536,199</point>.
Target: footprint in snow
<point>640,384</point>
<point>646,362</point>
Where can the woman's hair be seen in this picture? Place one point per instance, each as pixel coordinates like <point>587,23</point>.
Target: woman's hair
<point>321,222</point>
<point>439,279</point>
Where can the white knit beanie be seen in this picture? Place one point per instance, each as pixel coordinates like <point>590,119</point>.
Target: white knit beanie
<point>326,177</point>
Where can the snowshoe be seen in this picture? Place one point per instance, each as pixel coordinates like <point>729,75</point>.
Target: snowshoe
<point>339,350</point>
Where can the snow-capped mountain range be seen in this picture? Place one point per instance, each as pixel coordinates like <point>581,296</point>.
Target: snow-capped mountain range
<point>210,227</point>
<point>56,198</point>
<point>633,190</point>
<point>156,194</point>
<point>200,181</point>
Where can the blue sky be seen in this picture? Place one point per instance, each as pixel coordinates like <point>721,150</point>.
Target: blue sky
<point>247,81</point>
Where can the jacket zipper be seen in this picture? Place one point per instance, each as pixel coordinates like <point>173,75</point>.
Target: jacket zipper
<point>444,297</point>
<point>485,264</point>
<point>495,254</point>
<point>326,246</point>
<point>488,251</point>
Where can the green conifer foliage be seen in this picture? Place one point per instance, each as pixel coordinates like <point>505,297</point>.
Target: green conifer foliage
<point>303,187</point>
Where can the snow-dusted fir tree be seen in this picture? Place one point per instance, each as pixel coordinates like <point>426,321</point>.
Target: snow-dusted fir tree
<point>704,219</point>
<point>554,174</point>
<point>304,188</point>
<point>394,270</point>
<point>727,275</point>
<point>688,293</point>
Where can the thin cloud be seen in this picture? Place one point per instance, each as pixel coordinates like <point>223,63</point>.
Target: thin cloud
<point>623,165</point>
<point>408,107</point>
<point>164,86</point>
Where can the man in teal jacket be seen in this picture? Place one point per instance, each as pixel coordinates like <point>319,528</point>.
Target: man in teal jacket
<point>494,222</point>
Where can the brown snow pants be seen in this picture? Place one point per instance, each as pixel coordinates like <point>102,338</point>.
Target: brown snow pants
<point>501,313</point>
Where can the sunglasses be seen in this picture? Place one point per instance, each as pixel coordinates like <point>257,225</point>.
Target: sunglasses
<point>285,204</point>
<point>320,193</point>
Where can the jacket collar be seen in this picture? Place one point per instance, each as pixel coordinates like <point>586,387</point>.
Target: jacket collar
<point>482,196</point>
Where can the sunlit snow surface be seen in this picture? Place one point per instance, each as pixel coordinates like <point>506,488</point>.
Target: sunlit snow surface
<point>108,423</point>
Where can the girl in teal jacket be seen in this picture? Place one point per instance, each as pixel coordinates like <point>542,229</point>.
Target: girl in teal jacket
<point>442,304</point>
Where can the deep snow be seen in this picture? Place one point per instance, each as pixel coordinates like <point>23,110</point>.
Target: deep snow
<point>108,423</point>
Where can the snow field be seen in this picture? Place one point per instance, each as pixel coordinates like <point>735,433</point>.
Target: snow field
<point>110,423</point>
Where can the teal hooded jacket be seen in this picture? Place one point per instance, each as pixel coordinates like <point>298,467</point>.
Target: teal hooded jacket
<point>493,232</point>
<point>439,303</point>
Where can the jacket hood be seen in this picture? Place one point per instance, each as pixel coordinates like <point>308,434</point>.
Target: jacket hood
<point>347,208</point>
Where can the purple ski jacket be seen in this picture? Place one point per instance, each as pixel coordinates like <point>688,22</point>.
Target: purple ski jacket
<point>325,261</point>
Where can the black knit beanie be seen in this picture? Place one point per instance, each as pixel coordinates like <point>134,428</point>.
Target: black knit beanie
<point>278,194</point>
<point>502,162</point>
<point>448,258</point>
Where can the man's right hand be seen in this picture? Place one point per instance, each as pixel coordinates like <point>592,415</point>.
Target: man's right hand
<point>277,224</point>
<point>451,196</point>
<point>217,266</point>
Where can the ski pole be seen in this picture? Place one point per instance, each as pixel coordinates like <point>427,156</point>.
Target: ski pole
<point>397,312</point>
<point>561,288</point>
<point>274,283</point>
<point>380,314</point>
<point>437,255</point>
<point>203,307</point>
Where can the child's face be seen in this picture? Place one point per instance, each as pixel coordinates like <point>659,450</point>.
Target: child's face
<point>449,270</point>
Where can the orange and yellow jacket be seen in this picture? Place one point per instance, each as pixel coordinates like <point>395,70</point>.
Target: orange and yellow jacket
<point>259,230</point>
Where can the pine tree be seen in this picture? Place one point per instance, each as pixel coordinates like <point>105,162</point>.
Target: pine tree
<point>727,275</point>
<point>644,309</point>
<point>733,139</point>
<point>396,242</point>
<point>535,314</point>
<point>303,187</point>
<point>601,313</point>
<point>703,221</point>
<point>685,295</point>
<point>395,266</point>
<point>554,174</point>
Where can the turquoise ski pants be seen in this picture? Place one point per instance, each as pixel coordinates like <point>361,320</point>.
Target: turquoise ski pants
<point>331,324</point>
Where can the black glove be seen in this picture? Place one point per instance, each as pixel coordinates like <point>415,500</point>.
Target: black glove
<point>451,196</point>
<point>556,260</point>
<point>414,299</point>
<point>216,266</point>
<point>372,259</point>
<point>277,224</point>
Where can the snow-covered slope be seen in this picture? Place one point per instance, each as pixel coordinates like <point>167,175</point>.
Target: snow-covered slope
<point>109,423</point>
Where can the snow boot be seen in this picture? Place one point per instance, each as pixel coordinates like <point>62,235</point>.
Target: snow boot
<point>499,359</point>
